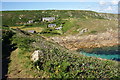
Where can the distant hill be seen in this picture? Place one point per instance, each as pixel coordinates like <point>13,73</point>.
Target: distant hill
<point>13,18</point>
<point>74,21</point>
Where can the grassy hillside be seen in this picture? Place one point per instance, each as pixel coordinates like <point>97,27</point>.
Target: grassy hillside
<point>74,20</point>
<point>13,17</point>
<point>58,62</point>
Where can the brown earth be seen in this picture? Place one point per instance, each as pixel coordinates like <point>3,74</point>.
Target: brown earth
<point>15,69</point>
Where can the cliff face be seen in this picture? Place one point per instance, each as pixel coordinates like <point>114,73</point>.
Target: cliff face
<point>109,16</point>
<point>74,42</point>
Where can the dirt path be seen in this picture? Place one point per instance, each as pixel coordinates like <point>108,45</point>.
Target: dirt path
<point>15,69</point>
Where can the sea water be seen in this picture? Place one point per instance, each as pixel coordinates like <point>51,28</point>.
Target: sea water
<point>111,53</point>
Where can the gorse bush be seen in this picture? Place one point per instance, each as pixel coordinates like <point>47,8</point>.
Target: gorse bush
<point>28,25</point>
<point>23,42</point>
<point>60,63</point>
<point>93,32</point>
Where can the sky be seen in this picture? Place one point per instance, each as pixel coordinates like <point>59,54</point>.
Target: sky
<point>104,6</point>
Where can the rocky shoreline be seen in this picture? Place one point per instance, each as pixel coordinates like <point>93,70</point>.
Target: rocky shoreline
<point>75,42</point>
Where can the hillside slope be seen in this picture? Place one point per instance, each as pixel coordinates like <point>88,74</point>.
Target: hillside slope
<point>14,18</point>
<point>73,21</point>
<point>58,62</point>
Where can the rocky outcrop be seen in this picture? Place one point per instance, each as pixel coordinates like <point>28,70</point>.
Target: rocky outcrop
<point>74,42</point>
<point>109,16</point>
<point>36,55</point>
<point>83,30</point>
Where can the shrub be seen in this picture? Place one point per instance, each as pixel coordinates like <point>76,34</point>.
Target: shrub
<point>51,31</point>
<point>23,42</point>
<point>93,32</point>
<point>28,25</point>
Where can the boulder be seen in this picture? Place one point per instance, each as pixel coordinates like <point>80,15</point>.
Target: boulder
<point>83,30</point>
<point>36,55</point>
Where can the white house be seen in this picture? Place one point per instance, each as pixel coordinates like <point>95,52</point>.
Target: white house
<point>48,18</point>
<point>51,25</point>
<point>58,28</point>
<point>31,31</point>
<point>30,21</point>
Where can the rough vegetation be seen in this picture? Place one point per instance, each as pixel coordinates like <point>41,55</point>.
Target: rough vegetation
<point>21,17</point>
<point>58,62</point>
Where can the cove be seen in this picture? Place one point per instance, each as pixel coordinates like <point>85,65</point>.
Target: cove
<point>111,53</point>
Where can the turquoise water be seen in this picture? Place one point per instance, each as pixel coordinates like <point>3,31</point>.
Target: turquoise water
<point>111,53</point>
<point>104,56</point>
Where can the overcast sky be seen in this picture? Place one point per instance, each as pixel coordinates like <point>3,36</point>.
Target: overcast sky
<point>105,6</point>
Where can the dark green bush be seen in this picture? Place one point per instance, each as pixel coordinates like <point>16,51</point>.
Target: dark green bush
<point>28,25</point>
<point>23,42</point>
<point>93,32</point>
<point>51,31</point>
